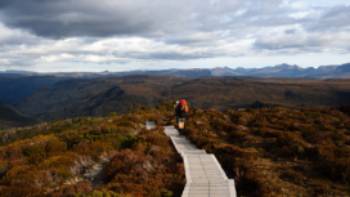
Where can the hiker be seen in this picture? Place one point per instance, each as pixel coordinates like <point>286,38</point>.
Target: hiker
<point>181,112</point>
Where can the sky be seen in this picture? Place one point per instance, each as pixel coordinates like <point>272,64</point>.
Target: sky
<point>120,35</point>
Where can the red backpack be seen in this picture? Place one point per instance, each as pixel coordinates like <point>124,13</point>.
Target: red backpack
<point>184,105</point>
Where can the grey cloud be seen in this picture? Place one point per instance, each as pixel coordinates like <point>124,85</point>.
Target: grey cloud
<point>198,26</point>
<point>162,54</point>
<point>306,42</point>
<point>290,31</point>
<point>66,18</point>
<point>184,41</point>
<point>18,40</point>
<point>156,18</point>
<point>334,19</point>
<point>316,33</point>
<point>176,56</point>
<point>289,42</point>
<point>284,46</point>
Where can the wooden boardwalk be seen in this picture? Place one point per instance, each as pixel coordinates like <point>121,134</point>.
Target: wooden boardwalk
<point>204,175</point>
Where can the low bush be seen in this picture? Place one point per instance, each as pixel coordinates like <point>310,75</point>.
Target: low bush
<point>278,151</point>
<point>105,156</point>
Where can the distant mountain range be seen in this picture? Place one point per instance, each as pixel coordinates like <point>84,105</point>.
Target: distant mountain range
<point>278,71</point>
<point>288,71</point>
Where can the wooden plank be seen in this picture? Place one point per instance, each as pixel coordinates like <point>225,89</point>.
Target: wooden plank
<point>204,175</point>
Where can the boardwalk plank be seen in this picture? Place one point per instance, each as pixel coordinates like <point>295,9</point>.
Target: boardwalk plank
<point>204,175</point>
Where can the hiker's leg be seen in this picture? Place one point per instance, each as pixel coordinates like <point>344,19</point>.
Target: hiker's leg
<point>177,122</point>
<point>181,123</point>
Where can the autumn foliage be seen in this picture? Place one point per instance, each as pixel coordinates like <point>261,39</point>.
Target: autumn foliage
<point>278,151</point>
<point>269,151</point>
<point>106,156</point>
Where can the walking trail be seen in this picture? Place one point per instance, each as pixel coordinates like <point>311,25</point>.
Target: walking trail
<point>204,175</point>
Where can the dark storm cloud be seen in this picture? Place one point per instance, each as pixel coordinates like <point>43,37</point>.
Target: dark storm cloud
<point>66,18</point>
<point>156,18</point>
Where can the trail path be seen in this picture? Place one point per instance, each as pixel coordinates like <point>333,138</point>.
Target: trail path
<point>204,175</point>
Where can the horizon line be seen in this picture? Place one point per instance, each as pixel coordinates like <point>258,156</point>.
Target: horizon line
<point>172,68</point>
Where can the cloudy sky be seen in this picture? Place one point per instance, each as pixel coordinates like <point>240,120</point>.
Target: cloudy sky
<point>115,35</point>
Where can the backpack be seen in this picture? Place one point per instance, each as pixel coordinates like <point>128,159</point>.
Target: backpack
<point>184,105</point>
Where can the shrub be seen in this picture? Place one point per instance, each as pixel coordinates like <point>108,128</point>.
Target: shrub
<point>259,146</point>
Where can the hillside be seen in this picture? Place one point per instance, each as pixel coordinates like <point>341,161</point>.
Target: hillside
<point>278,151</point>
<point>109,156</point>
<point>16,87</point>
<point>233,92</point>
<point>81,97</point>
<point>91,97</point>
<point>9,117</point>
<point>269,151</point>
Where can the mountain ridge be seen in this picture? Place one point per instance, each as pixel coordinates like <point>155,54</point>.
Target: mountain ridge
<point>277,71</point>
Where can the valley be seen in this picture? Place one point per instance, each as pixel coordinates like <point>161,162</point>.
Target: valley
<point>74,97</point>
